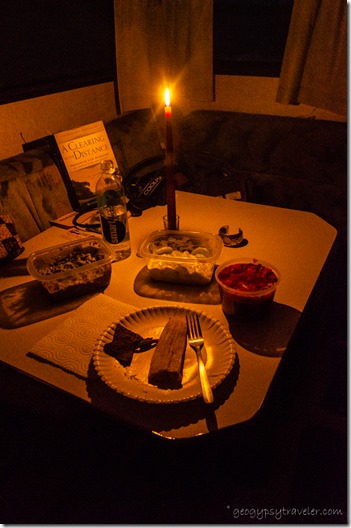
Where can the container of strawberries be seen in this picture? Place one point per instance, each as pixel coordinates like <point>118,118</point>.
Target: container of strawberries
<point>247,286</point>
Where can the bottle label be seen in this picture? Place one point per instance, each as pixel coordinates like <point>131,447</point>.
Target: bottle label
<point>114,230</point>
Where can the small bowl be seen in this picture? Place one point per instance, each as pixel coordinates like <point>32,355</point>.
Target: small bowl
<point>186,257</point>
<point>247,286</point>
<point>58,271</point>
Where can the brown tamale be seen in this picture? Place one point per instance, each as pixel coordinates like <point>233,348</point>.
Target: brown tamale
<point>166,368</point>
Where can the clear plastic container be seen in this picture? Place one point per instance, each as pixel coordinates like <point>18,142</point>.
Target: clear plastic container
<point>186,257</point>
<point>247,286</point>
<point>73,268</point>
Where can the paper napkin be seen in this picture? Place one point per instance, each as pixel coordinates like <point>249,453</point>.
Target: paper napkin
<point>70,346</point>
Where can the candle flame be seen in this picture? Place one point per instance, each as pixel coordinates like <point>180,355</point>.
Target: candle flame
<point>167,97</point>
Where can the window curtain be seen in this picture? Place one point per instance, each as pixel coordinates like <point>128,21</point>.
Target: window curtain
<point>314,69</point>
<point>163,43</point>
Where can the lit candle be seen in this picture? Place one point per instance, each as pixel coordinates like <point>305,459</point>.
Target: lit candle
<point>168,108</point>
<point>171,205</point>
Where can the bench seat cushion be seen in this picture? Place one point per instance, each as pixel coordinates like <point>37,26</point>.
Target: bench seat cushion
<point>32,191</point>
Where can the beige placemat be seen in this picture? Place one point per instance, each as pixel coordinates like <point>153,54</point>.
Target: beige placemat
<point>70,346</point>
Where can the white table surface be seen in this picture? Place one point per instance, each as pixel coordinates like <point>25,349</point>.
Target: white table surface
<point>296,242</point>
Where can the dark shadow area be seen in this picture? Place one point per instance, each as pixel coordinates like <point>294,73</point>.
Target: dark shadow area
<point>14,268</point>
<point>311,473</point>
<point>267,335</point>
<point>167,291</point>
<point>28,303</point>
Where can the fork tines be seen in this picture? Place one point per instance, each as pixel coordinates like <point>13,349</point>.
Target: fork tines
<point>194,328</point>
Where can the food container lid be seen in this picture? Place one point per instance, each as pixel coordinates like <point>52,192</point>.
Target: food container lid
<point>248,261</point>
<point>164,245</point>
<point>44,257</point>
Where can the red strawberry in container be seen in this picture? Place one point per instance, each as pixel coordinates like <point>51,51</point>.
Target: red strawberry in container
<point>247,286</point>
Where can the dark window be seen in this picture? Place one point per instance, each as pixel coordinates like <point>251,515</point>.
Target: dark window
<point>250,36</point>
<point>50,46</point>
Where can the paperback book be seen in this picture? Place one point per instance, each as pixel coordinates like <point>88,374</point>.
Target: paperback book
<point>82,149</point>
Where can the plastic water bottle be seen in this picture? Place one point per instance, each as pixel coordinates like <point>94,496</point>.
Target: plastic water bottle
<point>112,206</point>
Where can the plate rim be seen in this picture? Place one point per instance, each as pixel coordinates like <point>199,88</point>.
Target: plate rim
<point>144,397</point>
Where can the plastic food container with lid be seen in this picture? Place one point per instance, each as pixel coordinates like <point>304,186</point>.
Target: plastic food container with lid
<point>247,286</point>
<point>186,257</point>
<point>73,268</point>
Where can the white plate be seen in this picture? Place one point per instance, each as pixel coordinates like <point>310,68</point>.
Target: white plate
<point>132,381</point>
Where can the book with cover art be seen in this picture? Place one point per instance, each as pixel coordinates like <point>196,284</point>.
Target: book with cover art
<point>82,149</point>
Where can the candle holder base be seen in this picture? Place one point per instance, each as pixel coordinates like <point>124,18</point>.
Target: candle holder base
<point>167,225</point>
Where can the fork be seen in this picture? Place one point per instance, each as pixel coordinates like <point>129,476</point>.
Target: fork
<point>196,341</point>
